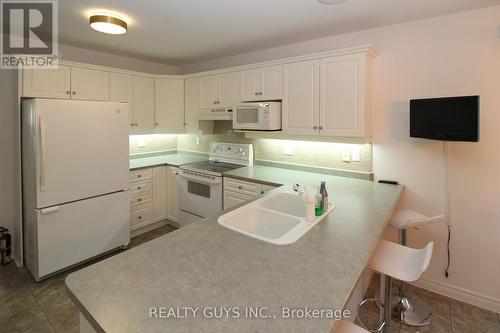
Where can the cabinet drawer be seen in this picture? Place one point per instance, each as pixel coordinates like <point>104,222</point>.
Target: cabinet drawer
<point>240,186</point>
<point>140,198</point>
<point>233,198</point>
<point>139,187</point>
<point>140,175</point>
<point>141,214</point>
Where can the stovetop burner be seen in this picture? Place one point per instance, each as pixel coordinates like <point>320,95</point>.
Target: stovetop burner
<point>212,167</point>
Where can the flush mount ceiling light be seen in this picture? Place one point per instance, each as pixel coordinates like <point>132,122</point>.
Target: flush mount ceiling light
<point>108,24</point>
<point>331,2</point>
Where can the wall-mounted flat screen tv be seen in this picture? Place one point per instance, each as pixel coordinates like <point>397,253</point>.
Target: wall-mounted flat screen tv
<point>446,119</point>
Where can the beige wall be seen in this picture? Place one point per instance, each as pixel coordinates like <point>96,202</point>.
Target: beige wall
<point>452,55</point>
<point>71,53</point>
<point>9,157</point>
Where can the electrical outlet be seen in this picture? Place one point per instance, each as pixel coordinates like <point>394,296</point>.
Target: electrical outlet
<point>141,143</point>
<point>288,150</point>
<point>355,155</point>
<point>346,155</point>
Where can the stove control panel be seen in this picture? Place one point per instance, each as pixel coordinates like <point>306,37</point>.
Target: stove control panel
<point>239,153</point>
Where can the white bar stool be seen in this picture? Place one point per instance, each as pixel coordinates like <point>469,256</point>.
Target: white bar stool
<point>345,326</point>
<point>399,262</point>
<point>409,309</point>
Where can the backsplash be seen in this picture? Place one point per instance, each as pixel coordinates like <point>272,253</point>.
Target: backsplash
<point>309,153</point>
<point>306,153</point>
<point>140,144</point>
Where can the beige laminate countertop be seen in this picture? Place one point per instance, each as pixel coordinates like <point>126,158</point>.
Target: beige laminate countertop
<point>205,265</point>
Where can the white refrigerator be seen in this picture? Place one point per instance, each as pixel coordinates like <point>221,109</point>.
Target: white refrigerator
<point>75,182</point>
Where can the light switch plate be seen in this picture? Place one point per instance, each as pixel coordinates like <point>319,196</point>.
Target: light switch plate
<point>346,155</point>
<point>197,140</point>
<point>355,155</point>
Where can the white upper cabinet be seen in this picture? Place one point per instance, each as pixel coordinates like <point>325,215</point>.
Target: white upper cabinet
<point>121,89</point>
<point>343,96</point>
<point>300,108</point>
<point>144,104</point>
<point>169,105</point>
<point>89,84</point>
<point>191,103</point>
<point>66,82</point>
<point>208,92</point>
<point>48,83</point>
<point>261,84</point>
<point>219,90</point>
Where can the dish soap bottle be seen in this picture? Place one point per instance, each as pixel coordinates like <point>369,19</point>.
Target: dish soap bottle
<point>324,196</point>
<point>319,203</point>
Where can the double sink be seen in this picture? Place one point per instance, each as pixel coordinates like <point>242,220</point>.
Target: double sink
<point>278,218</point>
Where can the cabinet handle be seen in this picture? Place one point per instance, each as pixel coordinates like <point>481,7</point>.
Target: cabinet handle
<point>139,199</point>
<point>240,187</point>
<point>139,176</point>
<point>136,124</point>
<point>139,217</point>
<point>256,94</point>
<point>138,187</point>
<point>260,94</point>
<point>156,124</point>
<point>261,192</point>
<point>315,127</point>
<point>68,92</point>
<point>74,92</point>
<point>321,127</point>
<point>132,124</point>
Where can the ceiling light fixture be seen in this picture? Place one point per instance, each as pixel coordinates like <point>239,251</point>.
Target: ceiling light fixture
<point>331,2</point>
<point>108,24</point>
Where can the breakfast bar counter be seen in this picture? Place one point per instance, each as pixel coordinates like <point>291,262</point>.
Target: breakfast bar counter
<point>207,278</point>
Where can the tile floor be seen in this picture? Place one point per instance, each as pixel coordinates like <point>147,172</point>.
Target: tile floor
<point>27,306</point>
<point>449,315</point>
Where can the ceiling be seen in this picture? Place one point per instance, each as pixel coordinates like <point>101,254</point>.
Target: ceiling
<point>187,31</point>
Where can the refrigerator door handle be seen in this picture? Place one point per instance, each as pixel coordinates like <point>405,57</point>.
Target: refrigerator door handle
<point>43,152</point>
<point>49,210</point>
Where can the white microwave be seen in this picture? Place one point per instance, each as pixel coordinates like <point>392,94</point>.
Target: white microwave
<point>265,116</point>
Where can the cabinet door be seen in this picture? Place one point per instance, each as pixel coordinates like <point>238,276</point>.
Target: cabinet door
<point>89,84</point>
<point>172,194</point>
<point>342,104</point>
<point>169,105</point>
<point>49,83</point>
<point>301,98</point>
<point>160,183</point>
<point>144,104</point>
<point>227,89</point>
<point>208,92</point>
<point>191,103</point>
<point>249,85</point>
<point>121,89</point>
<point>271,83</point>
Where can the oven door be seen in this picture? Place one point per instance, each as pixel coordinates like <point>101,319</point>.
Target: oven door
<point>200,196</point>
<point>247,118</point>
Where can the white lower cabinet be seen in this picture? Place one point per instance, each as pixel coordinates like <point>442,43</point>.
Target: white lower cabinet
<point>149,189</point>
<point>172,194</point>
<point>240,191</point>
<point>160,193</point>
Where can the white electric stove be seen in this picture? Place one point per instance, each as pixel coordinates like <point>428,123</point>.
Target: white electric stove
<point>200,183</point>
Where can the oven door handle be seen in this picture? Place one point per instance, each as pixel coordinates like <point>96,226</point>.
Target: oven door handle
<point>201,180</point>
